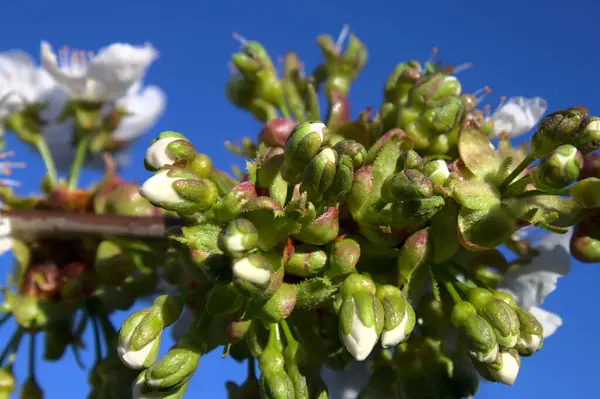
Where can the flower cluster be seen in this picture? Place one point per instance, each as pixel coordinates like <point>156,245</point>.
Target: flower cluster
<point>369,239</point>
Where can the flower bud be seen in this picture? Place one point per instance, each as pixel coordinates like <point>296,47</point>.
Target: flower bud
<point>173,370</point>
<point>407,185</point>
<point>476,333</point>
<point>323,230</point>
<point>587,138</point>
<point>201,165</point>
<point>558,169</point>
<point>126,199</point>
<point>343,257</point>
<point>179,190</point>
<point>280,305</point>
<point>414,253</point>
<point>307,260</point>
<point>342,182</point>
<point>356,283</point>
<point>258,276</point>
<point>230,205</point>
<point>586,192</point>
<point>361,322</point>
<point>167,149</point>
<point>302,145</point>
<point>399,316</point>
<point>400,81</point>
<point>354,150</point>
<point>556,129</point>
<point>443,117</point>
<point>319,173</point>
<point>437,171</point>
<point>274,381</point>
<point>31,390</point>
<point>499,314</point>
<point>276,132</point>
<point>238,237</point>
<point>140,334</point>
<point>585,244</point>
<point>531,335</point>
<point>7,383</point>
<point>432,88</point>
<point>505,369</point>
<point>409,160</point>
<point>140,390</point>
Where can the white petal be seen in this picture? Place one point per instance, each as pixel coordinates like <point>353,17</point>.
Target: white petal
<point>518,115</point>
<point>5,240</point>
<point>550,321</point>
<point>159,188</point>
<point>72,80</point>
<point>396,335</point>
<point>157,154</point>
<point>362,339</point>
<point>530,284</point>
<point>145,109</point>
<point>246,271</point>
<point>509,371</point>
<point>136,359</point>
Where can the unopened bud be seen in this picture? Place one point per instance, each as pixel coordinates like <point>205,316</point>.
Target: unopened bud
<point>506,367</point>
<point>323,230</point>
<point>140,390</point>
<point>319,173</point>
<point>306,261</point>
<point>499,314</point>
<point>437,171</point>
<point>556,129</point>
<point>343,257</point>
<point>399,316</point>
<point>361,323</point>
<point>280,305</point>
<point>302,145</point>
<point>238,237</point>
<point>432,88</point>
<point>558,169</point>
<point>352,149</point>
<point>587,139</point>
<point>407,185</point>
<point>531,336</point>
<point>409,160</point>
<point>476,333</point>
<point>167,149</point>
<point>276,132</point>
<point>258,276</point>
<point>443,117</point>
<point>201,165</point>
<point>586,192</point>
<point>172,370</point>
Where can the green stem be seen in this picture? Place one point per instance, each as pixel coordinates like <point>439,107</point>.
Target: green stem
<point>275,337</point>
<point>284,111</point>
<point>534,193</point>
<point>108,330</point>
<point>520,168</point>
<point>13,344</point>
<point>97,342</point>
<point>80,154</point>
<point>42,147</point>
<point>289,337</point>
<point>31,368</point>
<point>517,187</point>
<point>452,291</point>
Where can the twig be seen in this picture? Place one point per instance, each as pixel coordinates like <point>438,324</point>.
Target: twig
<point>32,224</point>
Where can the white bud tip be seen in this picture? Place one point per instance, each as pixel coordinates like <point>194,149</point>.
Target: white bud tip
<point>509,371</point>
<point>244,270</point>
<point>157,154</point>
<point>394,336</point>
<point>442,169</point>
<point>361,340</point>
<point>318,127</point>
<point>135,359</point>
<point>329,155</point>
<point>530,342</point>
<point>159,188</point>
<point>235,243</point>
<point>593,126</point>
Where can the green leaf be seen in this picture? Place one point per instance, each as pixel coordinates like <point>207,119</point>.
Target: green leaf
<point>434,285</point>
<point>314,292</point>
<point>443,234</point>
<point>481,229</point>
<point>223,181</point>
<point>476,195</point>
<point>252,169</point>
<point>477,153</point>
<point>545,210</point>
<point>202,237</point>
<point>385,164</point>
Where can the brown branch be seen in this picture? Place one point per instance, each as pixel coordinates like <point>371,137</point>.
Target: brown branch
<point>32,224</point>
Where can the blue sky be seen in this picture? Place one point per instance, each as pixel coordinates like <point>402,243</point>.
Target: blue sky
<point>530,48</point>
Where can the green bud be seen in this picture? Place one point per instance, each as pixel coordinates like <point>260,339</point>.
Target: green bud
<point>361,322</point>
<point>558,169</point>
<point>531,333</point>
<point>7,383</point>
<point>400,81</point>
<point>498,314</point>
<point>127,200</point>
<point>556,129</point>
<point>407,185</point>
<point>413,254</point>
<point>166,149</point>
<point>306,261</point>
<point>302,145</point>
<point>586,192</point>
<point>587,138</point>
<point>140,390</point>
<point>343,257</point>
<point>409,160</point>
<point>319,173</point>
<point>140,334</point>
<point>437,171</point>
<point>179,190</point>
<point>280,305</point>
<point>323,230</point>
<point>31,390</point>
<point>238,237</point>
<point>173,370</point>
<point>444,117</point>
<point>356,283</point>
<point>585,243</point>
<point>399,316</point>
<point>258,276</point>
<point>201,165</point>
<point>476,333</point>
<point>353,150</point>
<point>432,88</point>
<point>29,311</point>
<point>230,205</point>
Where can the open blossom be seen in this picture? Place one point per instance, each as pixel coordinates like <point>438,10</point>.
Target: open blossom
<point>105,76</point>
<point>23,84</point>
<point>145,105</point>
<point>518,115</point>
<point>532,283</point>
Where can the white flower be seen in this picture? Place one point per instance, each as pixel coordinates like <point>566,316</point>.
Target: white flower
<point>144,107</point>
<point>361,339</point>
<point>22,84</point>
<point>159,188</point>
<point>5,241</point>
<point>532,283</point>
<point>105,76</point>
<point>518,115</point>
